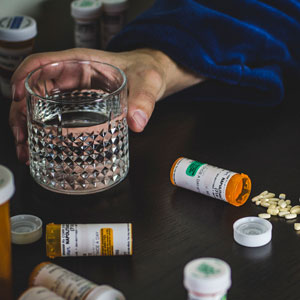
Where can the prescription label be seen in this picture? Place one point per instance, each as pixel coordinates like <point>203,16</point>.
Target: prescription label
<point>107,242</point>
<point>63,282</point>
<point>96,239</point>
<point>202,178</point>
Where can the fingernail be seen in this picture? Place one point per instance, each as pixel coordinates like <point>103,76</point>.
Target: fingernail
<point>15,130</point>
<point>13,91</point>
<point>140,118</point>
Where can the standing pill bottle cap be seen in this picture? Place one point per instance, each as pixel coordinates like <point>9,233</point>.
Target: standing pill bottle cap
<point>114,6</point>
<point>17,28</point>
<point>7,186</point>
<point>25,229</point>
<point>105,292</point>
<point>207,275</point>
<point>86,9</point>
<point>252,231</point>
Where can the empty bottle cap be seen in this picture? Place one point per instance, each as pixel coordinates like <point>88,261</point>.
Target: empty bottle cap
<point>86,9</point>
<point>252,231</point>
<point>207,275</point>
<point>25,229</point>
<point>17,28</point>
<point>105,292</point>
<point>7,186</point>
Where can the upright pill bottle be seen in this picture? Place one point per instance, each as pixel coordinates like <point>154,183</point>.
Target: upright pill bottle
<point>7,189</point>
<point>207,278</point>
<point>17,35</point>
<point>113,19</point>
<point>86,14</point>
<point>88,239</point>
<point>215,182</point>
<point>39,293</point>
<point>70,285</point>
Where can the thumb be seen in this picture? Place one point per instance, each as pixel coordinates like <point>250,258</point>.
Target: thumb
<point>144,91</point>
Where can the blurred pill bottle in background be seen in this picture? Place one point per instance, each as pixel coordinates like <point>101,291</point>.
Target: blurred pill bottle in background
<point>207,278</point>
<point>17,35</point>
<point>39,293</point>
<point>114,13</point>
<point>212,181</point>
<point>7,189</point>
<point>86,14</point>
<point>70,285</point>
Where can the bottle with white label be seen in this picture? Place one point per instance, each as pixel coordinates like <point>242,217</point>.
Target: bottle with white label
<point>113,19</point>
<point>39,293</point>
<point>69,285</point>
<point>17,35</point>
<point>88,239</point>
<point>86,14</point>
<point>215,182</point>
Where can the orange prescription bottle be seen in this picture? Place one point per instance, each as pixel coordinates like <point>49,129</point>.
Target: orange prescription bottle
<point>215,182</point>
<point>7,189</point>
<point>39,293</point>
<point>88,239</point>
<point>17,34</point>
<point>70,285</point>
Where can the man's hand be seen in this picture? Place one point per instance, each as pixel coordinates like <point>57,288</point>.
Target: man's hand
<point>151,75</point>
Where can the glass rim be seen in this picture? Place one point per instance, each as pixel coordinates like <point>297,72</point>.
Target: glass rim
<point>120,88</point>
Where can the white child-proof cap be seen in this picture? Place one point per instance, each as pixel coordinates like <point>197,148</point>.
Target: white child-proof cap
<point>105,292</point>
<point>114,6</point>
<point>86,9</point>
<point>252,231</point>
<point>17,28</point>
<point>207,275</point>
<point>25,229</point>
<point>7,186</point>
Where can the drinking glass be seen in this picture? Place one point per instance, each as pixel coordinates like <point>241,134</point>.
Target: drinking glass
<point>77,127</point>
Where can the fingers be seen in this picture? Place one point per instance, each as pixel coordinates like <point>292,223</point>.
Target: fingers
<point>145,88</point>
<point>17,120</point>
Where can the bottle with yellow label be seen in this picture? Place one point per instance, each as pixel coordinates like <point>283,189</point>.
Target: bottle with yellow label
<point>215,182</point>
<point>7,189</point>
<point>88,239</point>
<point>69,285</point>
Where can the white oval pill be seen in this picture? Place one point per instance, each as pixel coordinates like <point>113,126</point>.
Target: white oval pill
<point>290,216</point>
<point>264,216</point>
<point>283,213</point>
<point>295,209</point>
<point>282,196</point>
<point>297,226</point>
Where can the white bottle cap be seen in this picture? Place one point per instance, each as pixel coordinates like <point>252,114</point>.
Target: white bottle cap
<point>17,28</point>
<point>25,229</point>
<point>86,9</point>
<point>114,6</point>
<point>207,276</point>
<point>252,231</point>
<point>7,186</point>
<point>105,292</point>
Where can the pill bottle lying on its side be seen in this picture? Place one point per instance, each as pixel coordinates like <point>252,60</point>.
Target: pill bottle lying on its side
<point>88,239</point>
<point>215,182</point>
<point>39,293</point>
<point>17,36</point>
<point>70,285</point>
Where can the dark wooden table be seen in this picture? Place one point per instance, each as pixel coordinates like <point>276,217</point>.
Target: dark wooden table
<point>172,226</point>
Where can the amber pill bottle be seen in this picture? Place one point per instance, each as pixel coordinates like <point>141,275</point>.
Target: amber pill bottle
<point>7,189</point>
<point>215,182</point>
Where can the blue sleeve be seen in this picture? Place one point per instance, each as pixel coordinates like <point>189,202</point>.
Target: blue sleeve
<point>249,48</point>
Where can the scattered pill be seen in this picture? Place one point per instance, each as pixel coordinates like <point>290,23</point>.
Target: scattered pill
<point>273,211</point>
<point>256,198</point>
<point>264,216</point>
<point>288,202</point>
<point>265,204</point>
<point>290,216</point>
<point>258,202</point>
<point>297,226</point>
<point>264,193</point>
<point>283,213</point>
<point>282,196</point>
<point>295,209</point>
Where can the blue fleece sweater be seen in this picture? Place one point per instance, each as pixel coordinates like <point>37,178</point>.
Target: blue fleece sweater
<point>249,48</point>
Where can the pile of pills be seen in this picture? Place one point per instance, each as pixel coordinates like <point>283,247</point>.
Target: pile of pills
<point>277,206</point>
